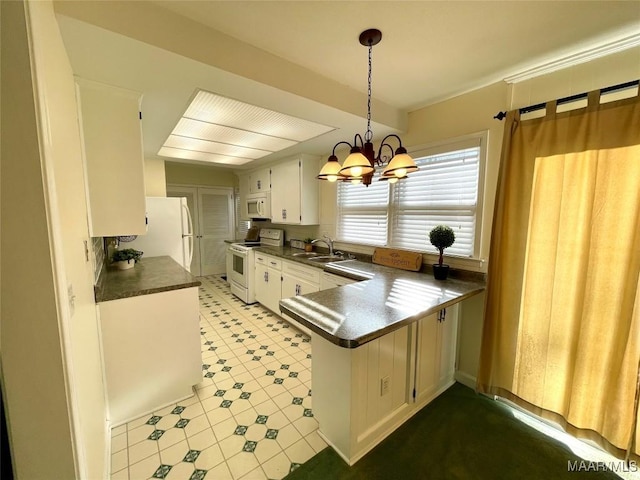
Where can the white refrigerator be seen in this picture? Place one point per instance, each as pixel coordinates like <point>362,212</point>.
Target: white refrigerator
<point>169,231</point>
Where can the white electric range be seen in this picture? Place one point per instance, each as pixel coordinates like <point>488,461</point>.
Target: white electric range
<point>241,273</point>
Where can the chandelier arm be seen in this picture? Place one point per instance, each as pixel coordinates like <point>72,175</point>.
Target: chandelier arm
<point>355,140</point>
<point>379,159</point>
<point>392,135</point>
<point>336,146</point>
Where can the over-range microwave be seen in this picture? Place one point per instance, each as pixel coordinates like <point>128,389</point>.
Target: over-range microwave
<point>258,205</point>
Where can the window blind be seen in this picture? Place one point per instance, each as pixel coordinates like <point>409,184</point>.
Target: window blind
<point>242,226</point>
<point>443,191</point>
<point>363,212</point>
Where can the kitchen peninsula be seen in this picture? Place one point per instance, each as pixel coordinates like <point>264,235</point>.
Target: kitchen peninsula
<point>149,318</point>
<point>383,348</point>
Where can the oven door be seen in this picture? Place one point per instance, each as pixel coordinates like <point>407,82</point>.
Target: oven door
<point>239,268</point>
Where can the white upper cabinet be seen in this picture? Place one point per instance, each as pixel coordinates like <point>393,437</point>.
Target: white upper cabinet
<point>243,191</point>
<point>294,191</point>
<point>260,181</point>
<point>113,158</point>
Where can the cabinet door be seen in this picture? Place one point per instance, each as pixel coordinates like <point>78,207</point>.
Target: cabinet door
<point>427,358</point>
<point>268,283</point>
<point>285,193</point>
<point>260,181</point>
<point>113,157</point>
<point>448,342</point>
<point>293,286</point>
<point>261,283</point>
<point>274,285</point>
<point>436,353</point>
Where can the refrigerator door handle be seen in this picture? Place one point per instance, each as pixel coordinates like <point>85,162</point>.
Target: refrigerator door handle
<point>190,234</point>
<point>186,209</point>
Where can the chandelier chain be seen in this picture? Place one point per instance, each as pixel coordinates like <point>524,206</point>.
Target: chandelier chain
<point>368,136</point>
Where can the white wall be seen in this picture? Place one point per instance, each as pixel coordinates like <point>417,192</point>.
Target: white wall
<point>51,360</point>
<point>32,364</point>
<point>155,183</point>
<point>203,175</point>
<point>613,69</point>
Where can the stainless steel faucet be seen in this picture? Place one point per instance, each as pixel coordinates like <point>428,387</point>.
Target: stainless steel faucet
<point>326,239</point>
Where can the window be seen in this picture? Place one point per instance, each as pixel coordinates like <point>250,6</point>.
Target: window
<point>444,191</point>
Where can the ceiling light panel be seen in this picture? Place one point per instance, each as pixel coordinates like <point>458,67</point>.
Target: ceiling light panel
<point>233,136</point>
<point>213,108</point>
<point>186,143</point>
<point>201,156</point>
<point>222,130</point>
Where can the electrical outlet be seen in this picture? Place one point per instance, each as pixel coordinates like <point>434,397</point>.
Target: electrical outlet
<point>385,383</point>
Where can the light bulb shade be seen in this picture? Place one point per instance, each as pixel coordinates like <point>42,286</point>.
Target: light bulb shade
<point>356,164</point>
<point>331,170</point>
<point>399,166</point>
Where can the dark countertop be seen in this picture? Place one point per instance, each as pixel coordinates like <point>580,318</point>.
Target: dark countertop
<point>150,275</point>
<point>384,299</point>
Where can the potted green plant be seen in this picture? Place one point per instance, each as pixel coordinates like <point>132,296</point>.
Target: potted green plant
<point>126,258</point>
<point>441,237</point>
<point>308,246</point>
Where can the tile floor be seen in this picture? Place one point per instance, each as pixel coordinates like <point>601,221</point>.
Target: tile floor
<point>251,417</point>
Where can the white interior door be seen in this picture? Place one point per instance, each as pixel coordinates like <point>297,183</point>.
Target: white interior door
<point>216,224</point>
<point>191,194</point>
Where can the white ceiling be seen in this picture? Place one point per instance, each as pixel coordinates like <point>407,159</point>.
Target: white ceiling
<point>430,51</point>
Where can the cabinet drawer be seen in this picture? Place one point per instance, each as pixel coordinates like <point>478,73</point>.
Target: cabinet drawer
<point>329,280</point>
<point>303,272</point>
<point>269,261</point>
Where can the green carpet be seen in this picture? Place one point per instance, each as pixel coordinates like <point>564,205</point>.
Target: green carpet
<point>460,435</point>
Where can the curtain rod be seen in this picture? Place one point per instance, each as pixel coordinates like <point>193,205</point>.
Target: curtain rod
<point>571,98</point>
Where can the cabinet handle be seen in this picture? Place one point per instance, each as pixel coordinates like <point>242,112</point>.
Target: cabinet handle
<point>297,289</point>
<point>266,276</point>
<point>284,213</point>
<point>273,263</point>
<point>258,184</point>
<point>442,314</point>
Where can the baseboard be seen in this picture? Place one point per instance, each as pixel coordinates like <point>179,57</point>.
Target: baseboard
<point>155,409</point>
<point>465,379</point>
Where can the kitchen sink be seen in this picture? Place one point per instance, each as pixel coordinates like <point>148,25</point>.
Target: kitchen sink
<point>326,258</point>
<point>305,254</point>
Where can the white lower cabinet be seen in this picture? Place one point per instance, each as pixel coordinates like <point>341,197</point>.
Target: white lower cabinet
<point>361,395</point>
<point>276,279</point>
<point>151,348</point>
<point>298,279</point>
<point>268,280</point>
<point>436,354</point>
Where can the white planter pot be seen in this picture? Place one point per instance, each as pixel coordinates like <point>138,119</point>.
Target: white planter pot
<point>125,264</point>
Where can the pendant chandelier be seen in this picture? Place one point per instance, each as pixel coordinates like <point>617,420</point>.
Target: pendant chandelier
<point>362,160</point>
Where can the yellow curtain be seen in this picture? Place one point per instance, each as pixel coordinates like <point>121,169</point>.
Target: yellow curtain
<point>562,318</point>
